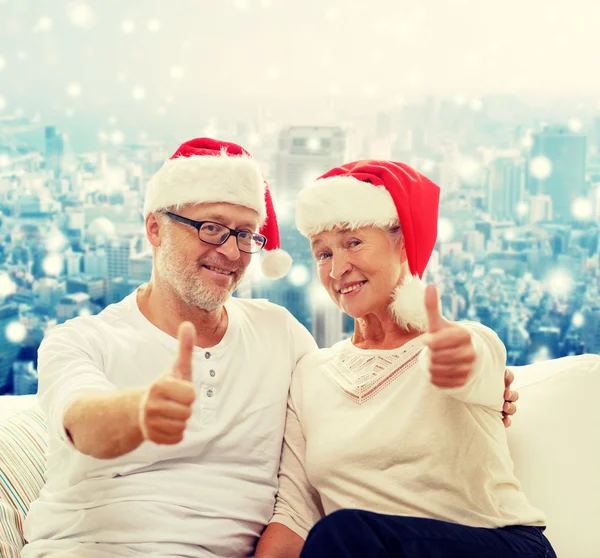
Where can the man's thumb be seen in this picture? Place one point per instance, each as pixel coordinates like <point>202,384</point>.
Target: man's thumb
<point>432,305</point>
<point>182,368</point>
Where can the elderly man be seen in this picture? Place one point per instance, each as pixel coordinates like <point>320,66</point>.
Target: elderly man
<point>166,411</point>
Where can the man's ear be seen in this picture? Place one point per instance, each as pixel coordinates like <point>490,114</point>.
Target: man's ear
<point>153,229</point>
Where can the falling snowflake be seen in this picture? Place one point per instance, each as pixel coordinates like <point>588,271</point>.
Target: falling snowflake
<point>445,230</point>
<point>460,100</point>
<point>2,63</point>
<point>56,241</point>
<point>15,332</point>
<point>313,144</point>
<point>53,264</point>
<point>575,125</point>
<point>254,139</point>
<point>80,14</point>
<point>582,209</point>
<point>476,105</point>
<point>73,89</point>
<point>177,72</point>
<point>43,25</point>
<point>560,283</point>
<point>7,287</point>
<point>332,14</point>
<point>138,93</point>
<point>540,167</point>
<point>370,91</point>
<point>272,73</point>
<point>117,137</point>
<point>128,26</point>
<point>154,25</point>
<point>541,355</point>
<point>299,275</point>
<point>527,141</point>
<point>577,320</point>
<point>2,103</point>
<point>522,209</point>
<point>468,170</point>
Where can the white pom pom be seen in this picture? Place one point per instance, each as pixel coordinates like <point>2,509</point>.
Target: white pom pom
<point>276,263</point>
<point>408,306</point>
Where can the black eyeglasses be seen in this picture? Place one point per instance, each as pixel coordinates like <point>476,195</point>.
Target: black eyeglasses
<point>217,234</point>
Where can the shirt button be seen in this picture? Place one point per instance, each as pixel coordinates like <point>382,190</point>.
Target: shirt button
<point>212,373</point>
<point>206,354</point>
<point>209,393</point>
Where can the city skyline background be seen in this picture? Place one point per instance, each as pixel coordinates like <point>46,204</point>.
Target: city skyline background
<point>499,106</point>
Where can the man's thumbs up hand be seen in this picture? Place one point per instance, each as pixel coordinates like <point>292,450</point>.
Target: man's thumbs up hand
<point>167,404</point>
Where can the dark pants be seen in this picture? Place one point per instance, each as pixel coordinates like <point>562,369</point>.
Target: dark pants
<point>361,534</point>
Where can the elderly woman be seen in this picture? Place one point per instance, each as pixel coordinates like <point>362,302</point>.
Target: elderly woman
<point>394,443</point>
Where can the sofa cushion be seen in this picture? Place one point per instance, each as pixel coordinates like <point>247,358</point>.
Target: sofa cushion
<point>555,445</point>
<point>23,441</point>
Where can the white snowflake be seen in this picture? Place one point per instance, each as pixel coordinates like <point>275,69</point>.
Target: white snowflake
<point>80,14</point>
<point>522,209</point>
<point>577,320</point>
<point>540,167</point>
<point>73,89</point>
<point>241,4</point>
<point>43,25</point>
<point>7,287</point>
<point>575,125</point>
<point>476,105</point>
<point>15,332</point>
<point>445,229</point>
<point>154,25</point>
<point>53,264</point>
<point>177,72</point>
<point>299,275</point>
<point>272,73</point>
<point>117,137</point>
<point>582,209</point>
<point>560,282</point>
<point>138,93</point>
<point>128,26</point>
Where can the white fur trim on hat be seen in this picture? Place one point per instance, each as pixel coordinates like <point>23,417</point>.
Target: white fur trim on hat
<point>207,179</point>
<point>275,264</point>
<point>408,306</point>
<point>343,201</point>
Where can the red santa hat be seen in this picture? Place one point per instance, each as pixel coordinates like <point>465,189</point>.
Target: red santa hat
<point>205,170</point>
<point>381,194</point>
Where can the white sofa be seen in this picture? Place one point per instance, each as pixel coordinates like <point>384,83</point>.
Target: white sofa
<point>555,443</point>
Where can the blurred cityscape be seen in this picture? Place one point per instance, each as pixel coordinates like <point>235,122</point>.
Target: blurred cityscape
<point>518,244</point>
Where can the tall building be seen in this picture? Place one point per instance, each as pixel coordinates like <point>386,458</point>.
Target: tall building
<point>505,185</point>
<point>55,149</point>
<point>540,209</point>
<point>565,181</point>
<point>304,153</point>
<point>119,253</point>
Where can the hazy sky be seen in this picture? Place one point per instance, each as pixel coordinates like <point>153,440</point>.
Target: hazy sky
<point>190,59</point>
